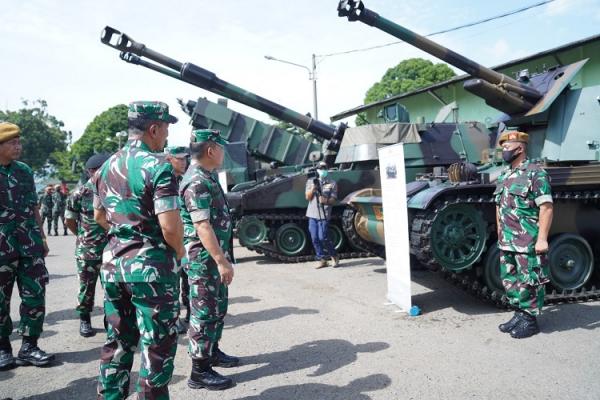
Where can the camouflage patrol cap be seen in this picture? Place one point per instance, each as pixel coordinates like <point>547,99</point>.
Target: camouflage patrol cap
<point>177,151</point>
<point>204,135</point>
<point>513,136</point>
<point>8,131</point>
<point>150,111</point>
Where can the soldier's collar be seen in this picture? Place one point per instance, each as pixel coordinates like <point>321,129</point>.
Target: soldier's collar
<point>523,164</point>
<point>137,143</point>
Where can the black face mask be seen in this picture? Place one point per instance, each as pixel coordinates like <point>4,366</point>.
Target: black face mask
<point>510,155</point>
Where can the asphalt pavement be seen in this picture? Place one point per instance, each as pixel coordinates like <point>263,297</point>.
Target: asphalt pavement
<point>312,334</point>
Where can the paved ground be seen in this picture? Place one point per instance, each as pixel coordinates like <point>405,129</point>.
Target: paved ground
<point>326,334</point>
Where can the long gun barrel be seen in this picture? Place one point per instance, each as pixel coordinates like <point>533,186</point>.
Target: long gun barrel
<point>500,91</point>
<point>133,52</point>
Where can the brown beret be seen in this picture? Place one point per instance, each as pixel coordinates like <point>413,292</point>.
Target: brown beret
<point>8,131</point>
<point>513,136</point>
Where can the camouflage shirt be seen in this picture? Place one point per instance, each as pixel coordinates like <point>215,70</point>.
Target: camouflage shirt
<point>203,199</point>
<point>59,201</point>
<point>20,234</point>
<point>133,187</point>
<point>46,202</point>
<point>519,194</point>
<point>91,237</point>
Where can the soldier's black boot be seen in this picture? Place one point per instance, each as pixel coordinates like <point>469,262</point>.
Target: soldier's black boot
<point>203,376</point>
<point>85,326</point>
<point>223,360</point>
<point>65,233</point>
<point>31,354</point>
<point>526,327</point>
<point>6,356</point>
<point>510,324</point>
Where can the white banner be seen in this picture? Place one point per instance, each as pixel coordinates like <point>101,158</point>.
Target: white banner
<point>395,223</point>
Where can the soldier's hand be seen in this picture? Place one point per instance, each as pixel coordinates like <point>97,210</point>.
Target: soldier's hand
<point>180,253</point>
<point>226,272</point>
<point>541,246</point>
<point>46,249</point>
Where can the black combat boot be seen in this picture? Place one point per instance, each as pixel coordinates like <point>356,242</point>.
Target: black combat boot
<point>66,234</point>
<point>510,324</point>
<point>220,359</point>
<point>31,354</point>
<point>85,326</point>
<point>203,376</point>
<point>526,327</point>
<point>6,356</point>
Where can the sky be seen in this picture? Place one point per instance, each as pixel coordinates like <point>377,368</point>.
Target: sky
<point>51,49</point>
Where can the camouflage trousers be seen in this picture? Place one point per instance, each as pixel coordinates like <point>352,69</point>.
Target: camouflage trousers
<point>208,301</point>
<point>523,277</point>
<point>88,271</point>
<point>47,216</point>
<point>146,310</point>
<point>55,216</point>
<point>31,276</point>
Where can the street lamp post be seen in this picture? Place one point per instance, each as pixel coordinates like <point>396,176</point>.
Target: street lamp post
<point>312,75</point>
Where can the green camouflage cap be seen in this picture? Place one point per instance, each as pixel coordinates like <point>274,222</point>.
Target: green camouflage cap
<point>150,111</point>
<point>203,135</point>
<point>177,151</point>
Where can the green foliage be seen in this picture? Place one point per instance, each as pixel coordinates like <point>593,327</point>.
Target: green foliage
<point>42,135</point>
<point>98,137</point>
<point>409,75</point>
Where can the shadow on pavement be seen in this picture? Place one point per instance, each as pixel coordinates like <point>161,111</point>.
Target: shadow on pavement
<point>56,276</point>
<point>443,294</point>
<point>243,300</point>
<point>565,317</point>
<point>78,357</point>
<point>354,390</point>
<point>324,355</point>
<point>361,262</point>
<point>234,321</point>
<point>83,388</point>
<point>68,314</point>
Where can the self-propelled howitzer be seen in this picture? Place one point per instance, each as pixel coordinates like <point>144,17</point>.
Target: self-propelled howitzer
<point>452,222</point>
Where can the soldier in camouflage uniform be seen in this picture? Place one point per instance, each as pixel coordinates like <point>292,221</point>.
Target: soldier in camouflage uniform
<point>135,197</point>
<point>524,215</point>
<point>179,157</point>
<point>46,205</point>
<point>208,233</point>
<point>22,251</point>
<point>91,240</point>
<point>59,203</point>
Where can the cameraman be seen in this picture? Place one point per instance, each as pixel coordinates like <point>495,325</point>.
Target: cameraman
<point>321,194</point>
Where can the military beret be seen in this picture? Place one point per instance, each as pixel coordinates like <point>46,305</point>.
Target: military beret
<point>8,131</point>
<point>96,161</point>
<point>150,111</point>
<point>177,151</point>
<point>513,136</point>
<point>204,135</point>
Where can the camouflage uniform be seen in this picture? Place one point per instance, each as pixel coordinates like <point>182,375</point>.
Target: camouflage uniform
<point>519,193</point>
<point>139,272</point>
<point>21,251</point>
<point>202,199</point>
<point>46,205</point>
<point>59,200</point>
<point>91,240</point>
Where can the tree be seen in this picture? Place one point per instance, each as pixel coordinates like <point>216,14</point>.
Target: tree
<point>42,135</point>
<point>409,75</point>
<point>98,137</point>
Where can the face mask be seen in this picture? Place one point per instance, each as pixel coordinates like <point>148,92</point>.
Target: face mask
<point>322,173</point>
<point>510,155</point>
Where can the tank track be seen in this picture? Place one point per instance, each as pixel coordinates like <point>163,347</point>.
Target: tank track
<point>270,250</point>
<point>470,280</point>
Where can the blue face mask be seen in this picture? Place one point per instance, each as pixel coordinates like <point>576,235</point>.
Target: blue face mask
<point>322,173</point>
